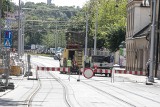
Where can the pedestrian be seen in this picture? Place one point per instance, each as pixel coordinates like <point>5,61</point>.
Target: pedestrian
<point>69,64</point>
<point>87,62</point>
<point>65,62</point>
<point>148,67</point>
<point>74,64</point>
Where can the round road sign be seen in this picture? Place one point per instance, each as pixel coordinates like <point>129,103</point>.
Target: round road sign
<point>88,73</point>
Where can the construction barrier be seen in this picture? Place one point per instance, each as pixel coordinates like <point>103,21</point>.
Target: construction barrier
<point>66,69</point>
<point>2,70</point>
<point>15,70</point>
<point>131,72</point>
<point>117,71</point>
<point>63,69</point>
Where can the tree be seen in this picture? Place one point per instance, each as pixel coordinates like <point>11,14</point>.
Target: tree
<point>115,36</point>
<point>50,18</point>
<point>111,21</point>
<point>7,6</point>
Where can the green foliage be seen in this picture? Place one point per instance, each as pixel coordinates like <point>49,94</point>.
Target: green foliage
<point>52,21</point>
<point>111,20</point>
<point>115,36</point>
<point>7,6</point>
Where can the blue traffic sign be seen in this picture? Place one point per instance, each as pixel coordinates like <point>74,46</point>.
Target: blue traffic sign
<point>7,42</point>
<point>7,38</point>
<point>8,34</point>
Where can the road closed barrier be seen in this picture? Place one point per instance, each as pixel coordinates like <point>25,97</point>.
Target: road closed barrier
<point>63,69</point>
<point>131,72</point>
<point>89,72</point>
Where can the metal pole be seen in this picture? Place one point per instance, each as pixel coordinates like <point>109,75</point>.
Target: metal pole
<point>86,38</point>
<point>95,37</point>
<point>7,66</point>
<point>151,73</point>
<point>29,67</point>
<point>56,39</point>
<point>0,20</point>
<point>23,36</point>
<point>19,32</point>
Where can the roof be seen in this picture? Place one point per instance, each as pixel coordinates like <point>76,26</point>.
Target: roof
<point>143,32</point>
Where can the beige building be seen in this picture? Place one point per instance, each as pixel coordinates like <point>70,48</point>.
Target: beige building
<point>137,33</point>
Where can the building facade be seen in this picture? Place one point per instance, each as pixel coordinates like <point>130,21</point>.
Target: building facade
<point>137,31</point>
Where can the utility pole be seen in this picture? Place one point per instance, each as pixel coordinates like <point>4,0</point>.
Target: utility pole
<point>56,39</point>
<point>151,73</point>
<point>23,23</point>
<point>19,30</point>
<point>86,38</point>
<point>95,37</point>
<point>0,20</point>
<point>22,32</point>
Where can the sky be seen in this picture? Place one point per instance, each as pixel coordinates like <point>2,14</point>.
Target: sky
<point>58,2</point>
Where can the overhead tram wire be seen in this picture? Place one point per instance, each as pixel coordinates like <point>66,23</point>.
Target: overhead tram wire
<point>42,21</point>
<point>66,22</point>
<point>51,9</point>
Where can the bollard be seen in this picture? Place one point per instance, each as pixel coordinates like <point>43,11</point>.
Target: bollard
<point>79,75</point>
<point>29,68</point>
<point>115,66</point>
<point>36,74</point>
<point>112,76</point>
<point>69,73</point>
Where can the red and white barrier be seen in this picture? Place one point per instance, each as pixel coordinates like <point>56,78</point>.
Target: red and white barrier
<point>105,71</point>
<point>63,69</point>
<point>130,72</point>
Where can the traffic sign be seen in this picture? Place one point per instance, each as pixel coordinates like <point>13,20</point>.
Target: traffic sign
<point>8,34</point>
<point>7,38</point>
<point>7,42</point>
<point>88,73</point>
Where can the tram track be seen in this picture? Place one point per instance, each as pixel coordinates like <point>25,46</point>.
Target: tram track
<point>51,78</point>
<point>129,92</point>
<point>129,85</point>
<point>31,96</point>
<point>29,99</point>
<point>102,91</point>
<point>117,90</point>
<point>65,90</point>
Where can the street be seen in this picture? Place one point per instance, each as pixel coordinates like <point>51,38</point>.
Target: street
<point>57,90</point>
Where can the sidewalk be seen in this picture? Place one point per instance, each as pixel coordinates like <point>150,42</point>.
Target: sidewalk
<point>136,78</point>
<point>13,79</point>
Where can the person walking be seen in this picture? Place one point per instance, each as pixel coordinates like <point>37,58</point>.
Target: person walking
<point>87,62</point>
<point>65,62</point>
<point>148,67</point>
<point>69,63</point>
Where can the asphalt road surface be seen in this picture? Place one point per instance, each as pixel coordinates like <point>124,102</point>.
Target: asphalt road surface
<point>54,89</point>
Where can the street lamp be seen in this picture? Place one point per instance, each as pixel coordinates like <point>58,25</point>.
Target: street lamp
<point>19,30</point>
<point>86,38</point>
<point>152,49</point>
<point>0,19</point>
<point>95,37</point>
